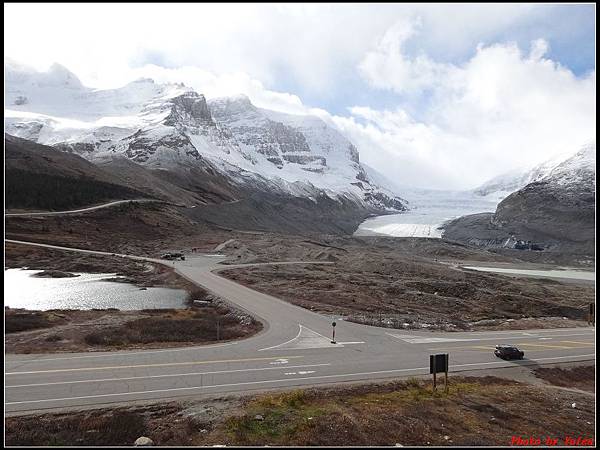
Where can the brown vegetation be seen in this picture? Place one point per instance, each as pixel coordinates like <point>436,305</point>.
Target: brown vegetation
<point>581,377</point>
<point>111,329</point>
<point>475,411</point>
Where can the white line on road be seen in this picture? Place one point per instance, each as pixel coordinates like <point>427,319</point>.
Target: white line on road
<point>277,381</point>
<point>187,363</point>
<point>306,341</point>
<point>286,342</point>
<point>164,376</point>
<point>415,339</point>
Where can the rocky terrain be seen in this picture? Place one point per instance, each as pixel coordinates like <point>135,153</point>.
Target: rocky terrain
<point>404,283</point>
<point>554,215</point>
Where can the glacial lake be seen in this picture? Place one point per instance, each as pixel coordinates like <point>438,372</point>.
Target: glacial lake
<point>86,291</point>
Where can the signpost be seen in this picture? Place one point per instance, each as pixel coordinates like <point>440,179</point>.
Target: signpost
<point>333,328</point>
<point>592,316</point>
<point>439,363</point>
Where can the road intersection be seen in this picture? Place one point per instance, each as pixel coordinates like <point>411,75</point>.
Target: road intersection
<point>293,349</point>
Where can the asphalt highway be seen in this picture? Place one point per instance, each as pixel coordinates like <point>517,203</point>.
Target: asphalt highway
<point>294,349</point>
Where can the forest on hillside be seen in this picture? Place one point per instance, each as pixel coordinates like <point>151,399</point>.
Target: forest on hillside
<point>29,190</point>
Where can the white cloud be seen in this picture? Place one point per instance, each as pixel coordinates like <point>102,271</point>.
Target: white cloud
<point>466,113</point>
<point>223,85</point>
<point>500,110</point>
<point>389,67</point>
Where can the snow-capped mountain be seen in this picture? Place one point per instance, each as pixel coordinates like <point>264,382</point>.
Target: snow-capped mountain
<point>170,126</point>
<point>506,183</point>
<point>580,169</point>
<point>556,212</point>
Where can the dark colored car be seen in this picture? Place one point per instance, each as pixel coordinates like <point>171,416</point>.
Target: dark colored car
<point>508,352</point>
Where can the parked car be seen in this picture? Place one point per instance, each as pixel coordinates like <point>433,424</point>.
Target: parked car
<point>508,352</point>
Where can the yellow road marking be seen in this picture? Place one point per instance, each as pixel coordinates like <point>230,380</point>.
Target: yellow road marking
<point>589,344</point>
<point>478,347</point>
<point>190,363</point>
<point>524,344</point>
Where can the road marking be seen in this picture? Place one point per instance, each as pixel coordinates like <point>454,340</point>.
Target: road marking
<point>413,339</point>
<point>102,380</point>
<point>527,344</point>
<point>351,342</point>
<point>589,344</point>
<point>531,362</point>
<point>280,361</point>
<point>485,349</point>
<point>523,344</point>
<point>144,352</point>
<point>305,339</point>
<point>190,363</point>
<point>286,342</point>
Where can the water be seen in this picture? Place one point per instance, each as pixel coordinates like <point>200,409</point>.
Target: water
<point>86,291</point>
<point>428,211</point>
<point>571,274</point>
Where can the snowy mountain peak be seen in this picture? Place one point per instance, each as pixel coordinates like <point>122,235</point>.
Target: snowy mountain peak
<point>170,126</point>
<point>239,105</point>
<point>509,182</point>
<point>580,168</point>
<point>57,76</point>
<point>186,107</point>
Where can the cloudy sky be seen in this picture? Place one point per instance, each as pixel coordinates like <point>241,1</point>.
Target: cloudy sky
<point>441,96</point>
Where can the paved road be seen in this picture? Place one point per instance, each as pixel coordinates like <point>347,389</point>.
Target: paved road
<point>294,349</point>
<point>82,210</point>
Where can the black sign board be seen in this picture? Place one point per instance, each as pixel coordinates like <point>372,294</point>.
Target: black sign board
<point>438,363</point>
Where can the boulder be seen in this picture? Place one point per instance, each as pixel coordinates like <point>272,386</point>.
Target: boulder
<point>143,441</point>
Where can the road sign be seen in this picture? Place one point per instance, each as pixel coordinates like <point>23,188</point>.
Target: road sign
<point>333,330</point>
<point>439,363</point>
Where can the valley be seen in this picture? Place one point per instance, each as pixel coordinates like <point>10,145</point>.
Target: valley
<point>204,270</point>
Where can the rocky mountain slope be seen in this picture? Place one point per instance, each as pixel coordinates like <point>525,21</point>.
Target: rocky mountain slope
<point>555,213</point>
<point>239,150</point>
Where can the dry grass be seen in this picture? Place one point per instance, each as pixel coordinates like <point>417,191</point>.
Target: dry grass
<point>581,377</point>
<point>16,321</point>
<point>208,324</point>
<point>401,292</point>
<point>105,330</point>
<point>475,411</point>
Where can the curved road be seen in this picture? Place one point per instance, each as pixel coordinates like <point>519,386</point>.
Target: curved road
<point>294,349</point>
<point>82,210</point>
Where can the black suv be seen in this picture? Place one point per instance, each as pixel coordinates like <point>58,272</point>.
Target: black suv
<point>508,352</point>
